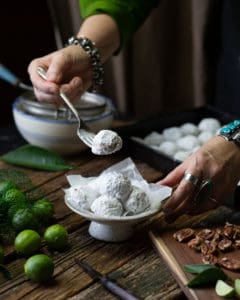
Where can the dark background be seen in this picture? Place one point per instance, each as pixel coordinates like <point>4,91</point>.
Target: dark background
<point>26,32</point>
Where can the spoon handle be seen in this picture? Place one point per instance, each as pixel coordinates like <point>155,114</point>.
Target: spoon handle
<point>42,73</point>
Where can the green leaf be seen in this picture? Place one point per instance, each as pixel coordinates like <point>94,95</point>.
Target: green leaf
<point>35,157</point>
<point>198,268</point>
<point>207,277</point>
<point>6,273</point>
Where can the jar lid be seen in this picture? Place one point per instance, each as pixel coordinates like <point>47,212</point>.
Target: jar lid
<point>89,104</point>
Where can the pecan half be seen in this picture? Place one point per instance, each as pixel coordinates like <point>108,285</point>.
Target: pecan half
<point>195,243</point>
<point>209,259</point>
<point>206,234</point>
<point>225,245</point>
<point>229,263</point>
<point>184,235</point>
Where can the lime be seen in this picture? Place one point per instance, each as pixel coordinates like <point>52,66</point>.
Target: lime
<point>7,185</point>
<point>39,268</point>
<point>1,255</point>
<point>237,286</point>
<point>15,207</point>
<point>14,196</point>
<point>43,210</point>
<point>223,289</point>
<point>24,219</point>
<point>56,237</point>
<point>27,242</point>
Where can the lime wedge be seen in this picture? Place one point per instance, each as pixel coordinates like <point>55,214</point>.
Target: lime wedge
<point>237,286</point>
<point>223,289</point>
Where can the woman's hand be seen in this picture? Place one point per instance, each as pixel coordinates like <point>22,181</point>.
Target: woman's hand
<point>217,160</point>
<point>68,69</point>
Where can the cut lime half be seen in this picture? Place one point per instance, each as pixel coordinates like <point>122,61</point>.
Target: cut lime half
<point>223,289</point>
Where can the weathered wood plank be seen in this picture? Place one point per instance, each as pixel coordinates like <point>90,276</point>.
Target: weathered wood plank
<point>133,263</point>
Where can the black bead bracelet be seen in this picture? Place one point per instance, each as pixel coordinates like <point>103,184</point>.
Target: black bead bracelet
<point>93,52</point>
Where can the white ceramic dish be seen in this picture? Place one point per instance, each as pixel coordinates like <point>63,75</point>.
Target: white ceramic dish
<point>57,134</point>
<point>113,229</point>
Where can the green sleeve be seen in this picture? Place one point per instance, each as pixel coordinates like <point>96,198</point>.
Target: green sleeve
<point>128,14</point>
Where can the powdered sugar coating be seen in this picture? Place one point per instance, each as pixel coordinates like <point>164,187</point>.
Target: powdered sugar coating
<point>106,142</point>
<point>168,148</point>
<point>172,133</point>
<point>81,197</point>
<point>107,206</point>
<point>137,202</point>
<point>153,139</point>
<point>209,124</point>
<point>188,142</point>
<point>181,155</point>
<point>189,129</point>
<point>115,184</point>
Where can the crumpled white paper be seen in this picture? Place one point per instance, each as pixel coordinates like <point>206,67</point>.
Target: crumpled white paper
<point>156,193</point>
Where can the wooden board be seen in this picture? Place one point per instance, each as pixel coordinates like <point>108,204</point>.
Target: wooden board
<point>176,255</point>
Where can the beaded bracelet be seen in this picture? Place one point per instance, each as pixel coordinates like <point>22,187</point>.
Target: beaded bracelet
<point>231,132</point>
<point>90,48</point>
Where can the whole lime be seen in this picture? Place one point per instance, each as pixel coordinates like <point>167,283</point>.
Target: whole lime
<point>15,207</point>
<point>27,242</point>
<point>14,196</point>
<point>7,185</point>
<point>43,209</point>
<point>24,219</point>
<point>39,267</point>
<point>56,237</point>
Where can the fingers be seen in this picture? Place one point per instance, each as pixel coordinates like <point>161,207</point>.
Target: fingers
<point>181,200</point>
<point>62,72</point>
<point>192,198</point>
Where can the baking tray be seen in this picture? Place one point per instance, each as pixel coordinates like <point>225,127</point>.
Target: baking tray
<point>140,129</point>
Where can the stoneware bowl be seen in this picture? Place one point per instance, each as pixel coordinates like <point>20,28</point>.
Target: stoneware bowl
<point>45,126</point>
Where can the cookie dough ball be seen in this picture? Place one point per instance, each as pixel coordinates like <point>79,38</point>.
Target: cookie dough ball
<point>182,155</point>
<point>116,185</point>
<point>172,133</point>
<point>205,136</point>
<point>107,206</point>
<point>209,124</point>
<point>137,202</point>
<point>188,142</point>
<point>168,148</point>
<point>189,129</point>
<point>81,197</point>
<point>153,139</point>
<point>106,142</point>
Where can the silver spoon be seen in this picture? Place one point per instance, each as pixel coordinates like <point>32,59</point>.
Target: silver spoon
<point>83,131</point>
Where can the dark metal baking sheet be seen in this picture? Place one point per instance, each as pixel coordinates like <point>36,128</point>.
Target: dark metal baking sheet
<point>140,129</point>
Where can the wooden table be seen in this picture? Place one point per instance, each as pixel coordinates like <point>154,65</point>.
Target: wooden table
<point>134,263</point>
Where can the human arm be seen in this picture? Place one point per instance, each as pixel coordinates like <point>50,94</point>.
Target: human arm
<point>70,68</point>
<point>218,160</point>
<point>107,24</point>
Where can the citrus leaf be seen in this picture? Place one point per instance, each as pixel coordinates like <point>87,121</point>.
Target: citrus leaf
<point>198,268</point>
<point>35,157</point>
<point>207,278</point>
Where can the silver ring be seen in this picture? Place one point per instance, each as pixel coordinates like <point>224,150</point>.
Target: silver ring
<point>191,178</point>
